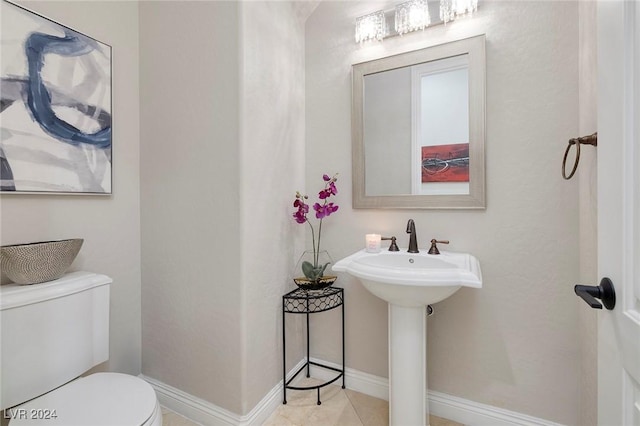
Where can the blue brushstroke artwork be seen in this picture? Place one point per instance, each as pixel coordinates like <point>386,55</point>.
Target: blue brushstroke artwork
<point>55,107</point>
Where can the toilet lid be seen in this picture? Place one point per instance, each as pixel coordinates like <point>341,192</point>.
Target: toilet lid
<point>100,399</point>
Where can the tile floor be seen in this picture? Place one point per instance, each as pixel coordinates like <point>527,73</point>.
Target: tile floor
<point>340,407</point>
<point>169,418</point>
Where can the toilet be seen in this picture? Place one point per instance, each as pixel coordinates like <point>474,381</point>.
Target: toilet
<point>51,334</point>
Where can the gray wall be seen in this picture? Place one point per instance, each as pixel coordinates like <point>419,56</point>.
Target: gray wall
<point>191,291</point>
<point>110,225</point>
<point>272,170</point>
<point>222,131</point>
<point>507,344</point>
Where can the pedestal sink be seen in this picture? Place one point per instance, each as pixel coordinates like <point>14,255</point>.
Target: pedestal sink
<point>409,282</point>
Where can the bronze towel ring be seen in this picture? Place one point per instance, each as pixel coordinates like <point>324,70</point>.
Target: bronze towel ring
<point>586,140</point>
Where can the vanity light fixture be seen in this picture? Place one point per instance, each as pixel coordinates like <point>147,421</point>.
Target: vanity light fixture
<point>371,27</point>
<point>452,9</point>
<point>412,16</point>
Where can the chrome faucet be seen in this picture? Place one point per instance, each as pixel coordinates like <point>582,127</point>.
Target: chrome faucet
<point>413,240</point>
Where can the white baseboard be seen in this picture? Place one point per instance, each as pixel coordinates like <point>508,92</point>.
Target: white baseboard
<point>440,404</point>
<point>192,407</point>
<point>208,414</point>
<point>477,414</point>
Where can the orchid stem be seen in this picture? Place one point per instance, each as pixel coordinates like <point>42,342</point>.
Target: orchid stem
<point>313,243</point>
<point>317,252</point>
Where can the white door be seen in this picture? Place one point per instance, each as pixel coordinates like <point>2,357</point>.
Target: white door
<point>619,210</point>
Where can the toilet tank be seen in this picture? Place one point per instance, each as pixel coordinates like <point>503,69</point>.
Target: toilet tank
<point>51,333</point>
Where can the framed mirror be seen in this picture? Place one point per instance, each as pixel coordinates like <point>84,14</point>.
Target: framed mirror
<point>418,128</point>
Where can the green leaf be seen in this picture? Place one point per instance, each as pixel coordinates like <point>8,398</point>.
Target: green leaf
<point>313,273</point>
<point>323,268</point>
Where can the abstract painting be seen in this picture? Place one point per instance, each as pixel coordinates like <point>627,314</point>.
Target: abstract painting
<point>445,163</point>
<point>55,107</point>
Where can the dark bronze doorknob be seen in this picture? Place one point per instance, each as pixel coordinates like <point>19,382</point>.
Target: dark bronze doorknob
<point>605,292</point>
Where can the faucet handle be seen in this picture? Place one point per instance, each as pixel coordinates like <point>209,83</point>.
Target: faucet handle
<point>434,248</point>
<point>393,246</point>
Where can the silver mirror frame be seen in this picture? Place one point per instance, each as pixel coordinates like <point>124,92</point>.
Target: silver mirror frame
<point>475,48</point>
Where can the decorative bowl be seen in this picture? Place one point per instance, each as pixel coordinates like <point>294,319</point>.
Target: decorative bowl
<point>320,283</point>
<point>38,262</point>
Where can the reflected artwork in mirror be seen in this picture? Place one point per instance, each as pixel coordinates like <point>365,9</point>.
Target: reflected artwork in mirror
<point>418,128</point>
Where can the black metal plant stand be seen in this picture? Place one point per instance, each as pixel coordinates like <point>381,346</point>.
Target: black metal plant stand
<point>301,301</point>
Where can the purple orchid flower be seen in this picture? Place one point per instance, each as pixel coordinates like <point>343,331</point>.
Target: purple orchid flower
<point>301,214</point>
<point>324,210</point>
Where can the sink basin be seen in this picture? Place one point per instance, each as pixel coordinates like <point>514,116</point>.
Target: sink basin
<point>412,279</point>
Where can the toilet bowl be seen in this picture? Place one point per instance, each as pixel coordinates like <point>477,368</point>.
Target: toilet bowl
<point>100,399</point>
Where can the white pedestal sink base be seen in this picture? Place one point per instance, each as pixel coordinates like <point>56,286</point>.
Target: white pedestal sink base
<point>407,366</point>
<point>409,282</point>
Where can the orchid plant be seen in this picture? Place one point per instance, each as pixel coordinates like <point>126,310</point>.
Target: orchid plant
<point>324,208</point>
